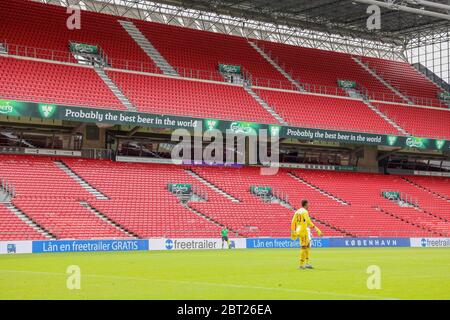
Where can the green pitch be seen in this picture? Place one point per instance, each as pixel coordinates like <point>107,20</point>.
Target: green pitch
<point>406,273</point>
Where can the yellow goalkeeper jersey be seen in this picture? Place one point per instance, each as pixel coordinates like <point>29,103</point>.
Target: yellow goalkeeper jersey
<point>301,222</point>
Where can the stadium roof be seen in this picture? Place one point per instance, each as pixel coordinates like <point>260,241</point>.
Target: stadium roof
<point>346,17</point>
<point>338,25</point>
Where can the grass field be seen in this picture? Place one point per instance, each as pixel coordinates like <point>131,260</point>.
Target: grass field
<point>406,273</point>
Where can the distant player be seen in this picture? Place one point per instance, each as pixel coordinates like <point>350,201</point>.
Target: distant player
<point>300,228</point>
<point>224,234</point>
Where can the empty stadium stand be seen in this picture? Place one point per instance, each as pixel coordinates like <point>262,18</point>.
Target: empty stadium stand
<point>421,122</point>
<point>320,67</point>
<point>13,228</point>
<point>407,80</point>
<point>35,25</point>
<point>424,210</point>
<point>50,202</point>
<point>164,95</point>
<point>140,205</point>
<point>139,199</point>
<point>315,111</point>
<point>45,35</point>
<point>199,50</point>
<point>51,199</point>
<point>33,81</point>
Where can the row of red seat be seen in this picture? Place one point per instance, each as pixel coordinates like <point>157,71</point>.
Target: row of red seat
<point>141,204</point>
<point>326,112</point>
<point>44,26</point>
<point>407,80</point>
<point>80,86</point>
<point>36,25</point>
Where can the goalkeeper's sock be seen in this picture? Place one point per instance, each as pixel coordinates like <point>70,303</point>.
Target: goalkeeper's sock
<point>308,251</point>
<point>302,257</point>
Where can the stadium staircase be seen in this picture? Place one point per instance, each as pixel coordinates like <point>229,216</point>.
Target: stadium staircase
<point>437,187</point>
<point>13,137</point>
<point>211,220</point>
<point>105,218</point>
<point>407,80</point>
<point>418,220</point>
<point>148,47</point>
<point>265,105</point>
<point>43,233</point>
<point>441,196</point>
<point>276,65</point>
<point>319,111</point>
<point>387,84</point>
<point>432,76</point>
<point>3,49</point>
<point>312,186</point>
<point>211,185</point>
<point>114,89</point>
<point>83,183</point>
<point>411,118</point>
<point>385,117</point>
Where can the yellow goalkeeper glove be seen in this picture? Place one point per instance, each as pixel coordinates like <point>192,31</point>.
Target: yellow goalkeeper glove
<point>319,233</point>
<point>293,235</point>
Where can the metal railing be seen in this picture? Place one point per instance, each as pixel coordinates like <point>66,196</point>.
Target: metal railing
<point>214,75</point>
<point>7,191</point>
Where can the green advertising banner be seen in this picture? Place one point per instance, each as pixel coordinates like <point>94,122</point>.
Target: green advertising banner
<point>228,68</point>
<point>391,195</point>
<point>180,188</point>
<point>444,96</point>
<point>346,84</point>
<point>261,191</point>
<point>83,48</point>
<point>117,117</point>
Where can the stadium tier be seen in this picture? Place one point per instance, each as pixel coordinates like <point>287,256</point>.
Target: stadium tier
<point>32,25</point>
<point>319,67</point>
<point>162,69</point>
<point>413,120</point>
<point>313,111</point>
<point>164,95</point>
<point>406,79</point>
<point>137,203</point>
<point>43,82</point>
<point>423,209</point>
<point>198,50</point>
<point>13,228</point>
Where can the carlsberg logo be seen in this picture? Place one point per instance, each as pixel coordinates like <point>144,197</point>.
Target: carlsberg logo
<point>47,110</point>
<point>84,48</point>
<point>237,127</point>
<point>6,108</point>
<point>178,189</point>
<point>230,68</point>
<point>414,142</point>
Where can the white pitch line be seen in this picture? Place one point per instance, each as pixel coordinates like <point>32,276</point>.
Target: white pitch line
<point>199,283</point>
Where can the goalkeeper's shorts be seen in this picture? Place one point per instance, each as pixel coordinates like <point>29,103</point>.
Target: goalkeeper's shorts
<point>305,239</point>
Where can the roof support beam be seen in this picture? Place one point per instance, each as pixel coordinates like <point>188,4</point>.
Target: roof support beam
<point>430,4</point>
<point>133,131</point>
<point>393,6</point>
<point>388,154</point>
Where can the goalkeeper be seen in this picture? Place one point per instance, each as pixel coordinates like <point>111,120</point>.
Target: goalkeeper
<point>300,228</point>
